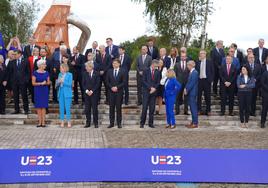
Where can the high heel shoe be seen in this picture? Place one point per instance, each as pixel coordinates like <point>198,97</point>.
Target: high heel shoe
<point>167,126</point>
<point>173,126</point>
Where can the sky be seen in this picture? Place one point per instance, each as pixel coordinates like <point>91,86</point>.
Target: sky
<point>239,21</point>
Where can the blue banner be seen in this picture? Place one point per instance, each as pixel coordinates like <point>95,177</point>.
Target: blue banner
<point>133,165</point>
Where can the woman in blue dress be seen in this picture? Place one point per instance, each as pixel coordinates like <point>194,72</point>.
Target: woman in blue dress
<point>41,81</point>
<point>172,88</point>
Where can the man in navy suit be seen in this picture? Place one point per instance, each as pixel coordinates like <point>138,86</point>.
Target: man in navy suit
<point>77,61</point>
<point>206,75</point>
<point>260,52</point>
<point>116,82</point>
<point>165,58</point>
<point>126,65</point>
<point>152,49</point>
<point>216,55</point>
<point>151,81</point>
<point>191,90</point>
<point>112,49</point>
<point>255,71</point>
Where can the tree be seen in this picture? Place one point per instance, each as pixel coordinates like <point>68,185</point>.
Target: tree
<point>17,18</point>
<point>177,19</point>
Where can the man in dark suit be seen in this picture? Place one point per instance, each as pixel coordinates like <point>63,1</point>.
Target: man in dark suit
<point>111,49</point>
<point>143,62</point>
<point>249,51</point>
<point>151,81</point>
<point>264,86</point>
<point>255,71</point>
<point>93,50</point>
<point>165,58</point>
<point>77,62</point>
<point>216,55</point>
<point>182,74</point>
<point>191,90</point>
<point>91,82</point>
<point>103,64</point>
<point>43,56</point>
<point>116,82</point>
<point>238,54</point>
<point>28,50</point>
<point>126,65</point>
<point>205,69</point>
<point>19,75</point>
<point>228,74</point>
<point>152,49</point>
<point>260,52</point>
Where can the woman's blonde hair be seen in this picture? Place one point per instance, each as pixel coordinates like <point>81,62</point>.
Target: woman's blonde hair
<point>171,73</point>
<point>65,67</point>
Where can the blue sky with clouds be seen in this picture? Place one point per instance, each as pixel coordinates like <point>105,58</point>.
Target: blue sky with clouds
<point>240,21</point>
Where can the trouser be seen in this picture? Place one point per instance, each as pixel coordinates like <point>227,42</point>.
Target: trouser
<point>148,101</point>
<point>216,79</point>
<point>65,106</point>
<point>126,90</point>
<point>77,81</point>
<point>139,88</point>
<point>17,90</point>
<point>181,99</point>
<point>115,103</point>
<point>253,100</point>
<point>227,92</point>
<point>193,107</point>
<point>54,90</point>
<point>2,99</point>
<point>244,98</point>
<point>264,109</point>
<point>103,81</point>
<point>204,86</point>
<point>91,102</point>
<point>170,101</point>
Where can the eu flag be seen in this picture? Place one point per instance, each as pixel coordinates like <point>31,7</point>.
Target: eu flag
<point>2,46</point>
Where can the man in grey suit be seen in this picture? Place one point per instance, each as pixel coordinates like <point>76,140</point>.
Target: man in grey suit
<point>182,74</point>
<point>143,62</point>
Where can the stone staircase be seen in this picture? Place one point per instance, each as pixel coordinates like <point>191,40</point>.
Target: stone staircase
<point>131,113</point>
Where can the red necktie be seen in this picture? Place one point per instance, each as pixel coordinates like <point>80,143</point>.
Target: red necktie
<point>228,69</point>
<point>152,74</point>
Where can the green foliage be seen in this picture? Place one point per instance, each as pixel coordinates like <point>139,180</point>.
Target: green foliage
<point>17,18</point>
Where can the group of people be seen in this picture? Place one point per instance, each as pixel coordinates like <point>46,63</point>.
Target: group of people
<point>174,80</point>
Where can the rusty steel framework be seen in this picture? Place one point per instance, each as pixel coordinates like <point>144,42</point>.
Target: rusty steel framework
<point>53,27</point>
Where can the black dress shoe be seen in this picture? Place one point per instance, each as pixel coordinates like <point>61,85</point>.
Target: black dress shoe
<point>96,126</point>
<point>222,114</point>
<point>231,114</point>
<point>38,125</point>
<point>87,126</point>
<point>177,112</point>
<point>139,103</point>
<point>26,112</point>
<point>151,126</point>
<point>126,103</point>
<point>16,112</point>
<point>141,126</point>
<point>119,126</point>
<point>110,126</point>
<point>157,113</point>
<point>262,125</point>
<point>252,114</point>
<point>2,113</point>
<point>186,113</point>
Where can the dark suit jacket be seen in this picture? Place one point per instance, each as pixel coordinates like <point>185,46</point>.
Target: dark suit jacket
<point>240,57</point>
<point>256,72</point>
<point>264,68</point>
<point>103,64</point>
<point>167,62</point>
<point>115,51</point>
<point>143,66</point>
<point>257,55</point>
<point>264,84</point>
<point>209,70</point>
<point>3,74</point>
<point>148,82</point>
<point>55,63</point>
<point>119,81</point>
<point>181,75</point>
<point>19,75</point>
<point>216,57</point>
<point>77,68</point>
<point>126,64</point>
<point>92,83</point>
<point>155,54</point>
<point>48,63</point>
<point>224,75</point>
<point>27,50</point>
<point>90,51</point>
<point>192,84</point>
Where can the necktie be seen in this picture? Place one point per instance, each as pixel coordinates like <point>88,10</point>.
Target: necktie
<point>183,66</point>
<point>252,67</point>
<point>110,50</point>
<point>152,74</point>
<point>115,73</point>
<point>228,69</point>
<point>102,58</point>
<point>19,63</point>
<point>90,76</point>
<point>143,58</point>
